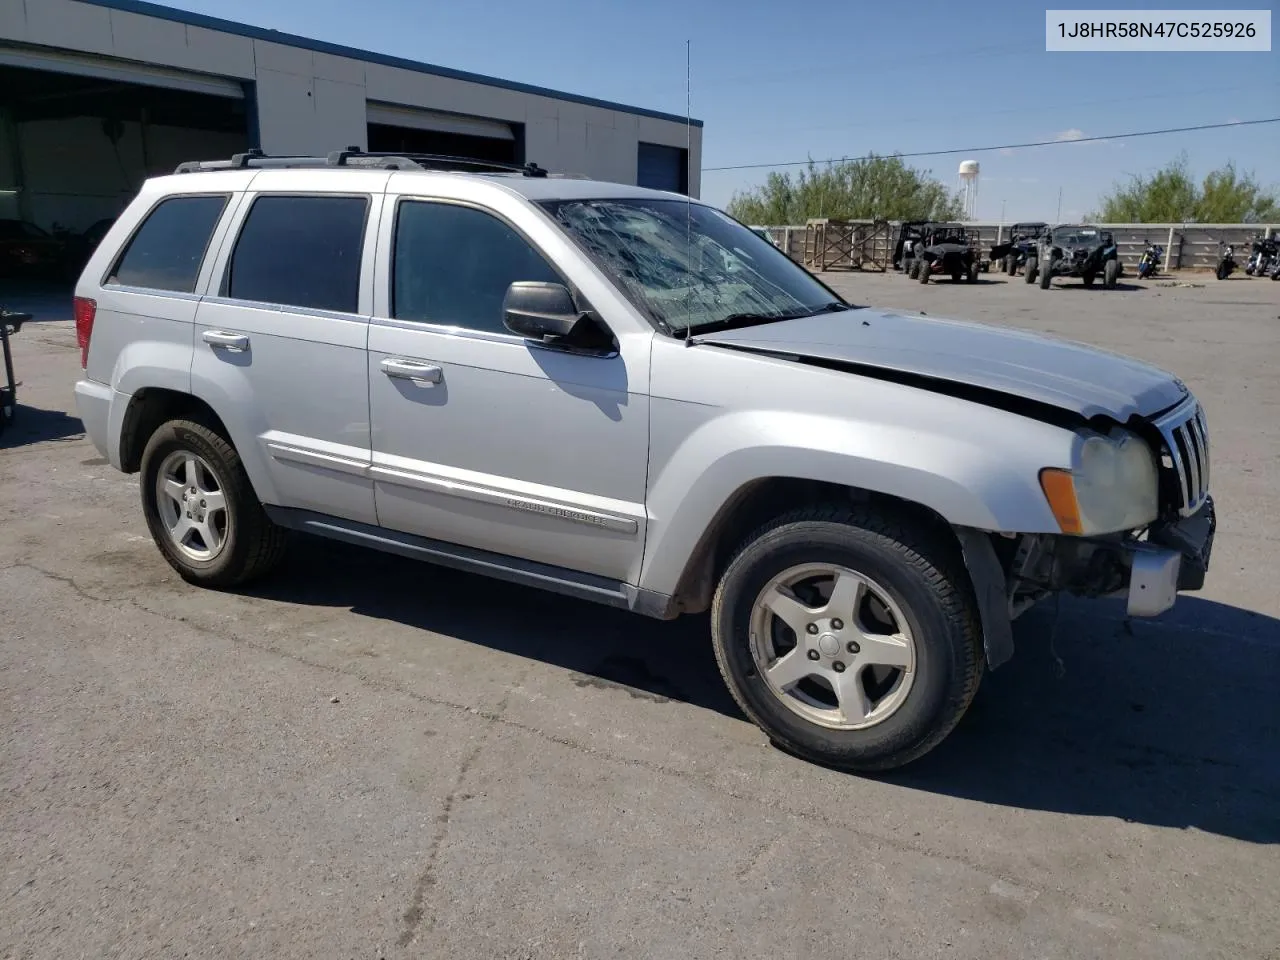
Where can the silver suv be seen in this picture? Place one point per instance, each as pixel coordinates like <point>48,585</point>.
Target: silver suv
<point>626,396</point>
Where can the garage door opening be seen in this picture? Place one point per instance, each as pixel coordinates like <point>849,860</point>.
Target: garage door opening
<point>396,129</point>
<point>75,147</point>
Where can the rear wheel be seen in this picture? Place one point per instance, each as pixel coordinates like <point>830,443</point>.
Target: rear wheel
<point>850,638</point>
<point>1046,275</point>
<point>1011,265</point>
<point>1087,278</point>
<point>923,269</point>
<point>1110,274</point>
<point>1031,270</point>
<point>972,275</point>
<point>906,266</point>
<point>1222,270</point>
<point>201,509</point>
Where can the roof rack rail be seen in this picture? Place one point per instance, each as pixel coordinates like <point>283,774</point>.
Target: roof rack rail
<point>356,158</point>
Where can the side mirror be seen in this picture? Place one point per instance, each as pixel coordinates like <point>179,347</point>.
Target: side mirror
<point>539,311</point>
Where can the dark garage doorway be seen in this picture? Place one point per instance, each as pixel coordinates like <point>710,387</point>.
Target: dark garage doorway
<point>384,138</point>
<point>74,149</point>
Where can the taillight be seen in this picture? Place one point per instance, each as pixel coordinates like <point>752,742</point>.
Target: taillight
<point>85,310</point>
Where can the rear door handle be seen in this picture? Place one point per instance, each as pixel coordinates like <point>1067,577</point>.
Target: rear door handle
<point>427,374</point>
<point>235,342</point>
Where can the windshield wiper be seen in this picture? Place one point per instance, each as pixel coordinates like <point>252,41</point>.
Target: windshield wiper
<point>835,306</point>
<point>735,321</point>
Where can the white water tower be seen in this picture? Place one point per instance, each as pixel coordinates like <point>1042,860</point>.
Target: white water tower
<point>969,170</point>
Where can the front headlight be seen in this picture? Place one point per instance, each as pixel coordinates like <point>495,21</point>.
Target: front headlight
<point>1113,486</point>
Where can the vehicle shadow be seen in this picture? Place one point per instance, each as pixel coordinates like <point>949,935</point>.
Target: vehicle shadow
<point>1070,284</point>
<point>35,425</point>
<point>1169,722</point>
<point>661,660</point>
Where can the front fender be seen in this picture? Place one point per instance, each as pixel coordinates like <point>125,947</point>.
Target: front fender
<point>985,477</point>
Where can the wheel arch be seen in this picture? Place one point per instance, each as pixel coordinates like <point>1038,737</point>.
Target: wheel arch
<point>150,407</point>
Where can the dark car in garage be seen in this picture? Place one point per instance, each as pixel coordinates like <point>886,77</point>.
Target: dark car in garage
<point>28,251</point>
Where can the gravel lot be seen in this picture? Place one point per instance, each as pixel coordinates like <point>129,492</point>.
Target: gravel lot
<point>370,758</point>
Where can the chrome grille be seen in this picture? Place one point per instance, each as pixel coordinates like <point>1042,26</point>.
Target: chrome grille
<point>1186,439</point>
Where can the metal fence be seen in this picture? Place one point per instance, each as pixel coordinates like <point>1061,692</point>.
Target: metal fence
<point>1186,245</point>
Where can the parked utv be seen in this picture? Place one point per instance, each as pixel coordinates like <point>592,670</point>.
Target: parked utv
<point>1020,247</point>
<point>1077,250</point>
<point>910,233</point>
<point>945,248</point>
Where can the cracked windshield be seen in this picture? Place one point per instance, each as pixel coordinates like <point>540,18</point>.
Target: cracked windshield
<point>690,267</point>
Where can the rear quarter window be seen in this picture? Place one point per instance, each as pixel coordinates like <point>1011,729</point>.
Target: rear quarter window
<point>166,251</point>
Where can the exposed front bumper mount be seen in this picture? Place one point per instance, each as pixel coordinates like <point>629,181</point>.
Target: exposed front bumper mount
<point>1174,557</point>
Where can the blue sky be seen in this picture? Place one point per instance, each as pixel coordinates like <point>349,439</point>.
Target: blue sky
<point>774,84</point>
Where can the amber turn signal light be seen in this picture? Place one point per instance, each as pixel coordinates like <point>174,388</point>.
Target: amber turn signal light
<point>1060,490</point>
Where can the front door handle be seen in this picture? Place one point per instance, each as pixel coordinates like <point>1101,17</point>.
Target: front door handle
<point>235,342</point>
<point>427,374</point>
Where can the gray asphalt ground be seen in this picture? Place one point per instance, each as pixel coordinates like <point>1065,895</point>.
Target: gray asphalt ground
<point>367,757</point>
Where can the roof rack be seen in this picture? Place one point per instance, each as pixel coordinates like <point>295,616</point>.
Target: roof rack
<point>354,157</point>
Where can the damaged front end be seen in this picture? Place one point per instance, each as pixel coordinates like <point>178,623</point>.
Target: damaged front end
<point>1149,566</point>
<point>1149,569</point>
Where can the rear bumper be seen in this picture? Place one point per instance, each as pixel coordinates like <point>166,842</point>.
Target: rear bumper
<point>1175,557</point>
<point>93,404</point>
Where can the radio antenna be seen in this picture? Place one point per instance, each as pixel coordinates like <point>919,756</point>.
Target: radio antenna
<point>688,156</point>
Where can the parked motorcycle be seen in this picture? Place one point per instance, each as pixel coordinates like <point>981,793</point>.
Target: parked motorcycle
<point>1149,265</point>
<point>1264,257</point>
<point>1275,270</point>
<point>1227,263</point>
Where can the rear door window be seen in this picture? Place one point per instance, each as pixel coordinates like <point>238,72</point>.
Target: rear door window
<point>167,250</point>
<point>301,252</point>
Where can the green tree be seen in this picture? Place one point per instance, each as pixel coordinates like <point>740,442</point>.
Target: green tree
<point>1171,195</point>
<point>877,187</point>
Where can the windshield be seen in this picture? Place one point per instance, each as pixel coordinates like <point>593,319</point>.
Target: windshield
<point>1076,235</point>
<point>688,266</point>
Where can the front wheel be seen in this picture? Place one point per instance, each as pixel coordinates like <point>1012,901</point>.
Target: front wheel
<point>1110,274</point>
<point>849,637</point>
<point>923,270</point>
<point>1011,265</point>
<point>1046,275</point>
<point>1032,269</point>
<point>1223,270</point>
<point>201,509</point>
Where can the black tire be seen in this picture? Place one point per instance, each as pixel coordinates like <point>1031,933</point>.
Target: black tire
<point>1046,276</point>
<point>1110,274</point>
<point>972,275</point>
<point>923,270</point>
<point>906,267</point>
<point>1222,270</point>
<point>253,545</point>
<point>1011,265</point>
<point>919,569</point>
<point>1031,271</point>
<point>956,275</point>
<point>1088,279</point>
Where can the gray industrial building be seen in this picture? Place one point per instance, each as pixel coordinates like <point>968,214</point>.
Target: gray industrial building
<point>95,95</point>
